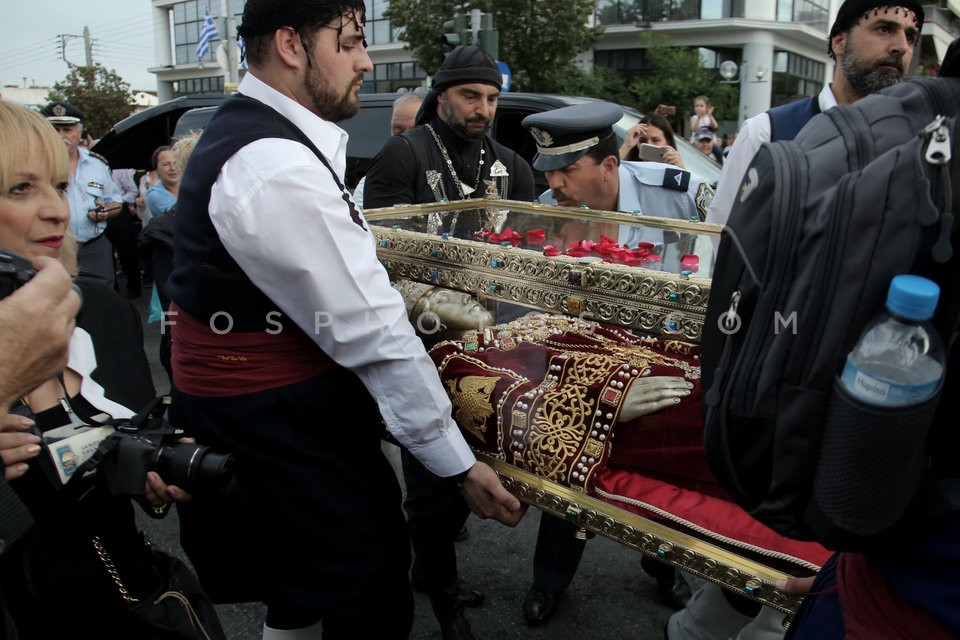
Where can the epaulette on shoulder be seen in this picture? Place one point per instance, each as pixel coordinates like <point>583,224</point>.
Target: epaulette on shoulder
<point>100,158</point>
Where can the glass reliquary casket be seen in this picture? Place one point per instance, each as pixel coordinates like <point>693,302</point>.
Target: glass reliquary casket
<point>568,341</point>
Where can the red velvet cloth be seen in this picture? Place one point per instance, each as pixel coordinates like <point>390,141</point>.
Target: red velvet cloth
<point>709,517</point>
<point>211,365</point>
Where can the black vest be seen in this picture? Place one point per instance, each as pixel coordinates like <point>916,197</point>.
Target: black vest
<point>205,279</point>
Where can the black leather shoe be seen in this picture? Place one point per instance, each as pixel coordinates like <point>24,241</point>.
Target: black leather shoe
<point>468,596</point>
<point>449,613</point>
<point>538,607</point>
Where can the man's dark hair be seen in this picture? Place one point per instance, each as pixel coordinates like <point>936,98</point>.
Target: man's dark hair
<point>262,18</point>
<point>609,146</point>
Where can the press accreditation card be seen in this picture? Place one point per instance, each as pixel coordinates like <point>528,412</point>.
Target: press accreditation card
<point>70,446</point>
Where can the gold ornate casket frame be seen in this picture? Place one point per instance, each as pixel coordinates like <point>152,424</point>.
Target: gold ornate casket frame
<point>652,302</point>
<point>649,301</point>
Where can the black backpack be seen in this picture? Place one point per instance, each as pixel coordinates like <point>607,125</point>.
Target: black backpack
<point>821,225</point>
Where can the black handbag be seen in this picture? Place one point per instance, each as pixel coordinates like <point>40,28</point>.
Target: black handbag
<point>179,609</point>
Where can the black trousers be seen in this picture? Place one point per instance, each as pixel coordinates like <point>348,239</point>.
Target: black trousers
<point>313,526</point>
<point>557,555</point>
<point>435,514</point>
<point>122,230</point>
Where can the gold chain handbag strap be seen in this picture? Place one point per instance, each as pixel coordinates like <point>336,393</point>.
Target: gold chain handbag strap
<point>112,570</point>
<point>130,600</point>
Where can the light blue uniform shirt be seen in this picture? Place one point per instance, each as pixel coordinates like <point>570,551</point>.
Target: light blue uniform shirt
<point>661,190</point>
<point>92,185</point>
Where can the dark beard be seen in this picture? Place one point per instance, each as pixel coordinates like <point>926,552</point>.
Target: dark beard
<point>559,195</point>
<point>329,106</point>
<point>460,128</point>
<point>868,79</point>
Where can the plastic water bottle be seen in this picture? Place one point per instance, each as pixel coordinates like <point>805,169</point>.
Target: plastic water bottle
<point>899,358</point>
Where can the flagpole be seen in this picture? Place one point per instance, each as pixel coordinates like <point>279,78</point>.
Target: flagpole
<point>231,42</point>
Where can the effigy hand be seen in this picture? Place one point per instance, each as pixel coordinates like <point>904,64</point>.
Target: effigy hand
<point>651,394</point>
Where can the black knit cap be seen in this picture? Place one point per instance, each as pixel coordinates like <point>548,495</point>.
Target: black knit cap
<point>266,16</point>
<point>467,64</point>
<point>851,12</point>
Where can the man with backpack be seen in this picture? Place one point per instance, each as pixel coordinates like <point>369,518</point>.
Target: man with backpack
<point>872,42</point>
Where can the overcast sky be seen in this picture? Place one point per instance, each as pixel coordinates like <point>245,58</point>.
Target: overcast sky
<point>122,32</point>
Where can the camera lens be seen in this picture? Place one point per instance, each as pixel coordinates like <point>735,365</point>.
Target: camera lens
<point>195,468</point>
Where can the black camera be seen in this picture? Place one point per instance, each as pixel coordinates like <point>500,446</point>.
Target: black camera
<point>15,271</point>
<point>133,450</point>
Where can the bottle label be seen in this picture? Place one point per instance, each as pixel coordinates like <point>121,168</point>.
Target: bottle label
<point>883,392</point>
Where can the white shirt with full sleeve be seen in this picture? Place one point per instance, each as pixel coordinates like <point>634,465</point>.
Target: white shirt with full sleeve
<point>284,220</point>
<point>753,133</point>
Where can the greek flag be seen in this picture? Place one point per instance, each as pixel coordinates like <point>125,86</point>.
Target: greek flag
<point>208,32</point>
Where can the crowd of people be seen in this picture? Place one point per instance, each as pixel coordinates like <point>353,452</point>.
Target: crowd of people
<point>313,526</point>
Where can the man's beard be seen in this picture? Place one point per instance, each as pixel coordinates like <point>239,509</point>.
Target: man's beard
<point>869,77</point>
<point>460,127</point>
<point>559,195</point>
<point>330,106</point>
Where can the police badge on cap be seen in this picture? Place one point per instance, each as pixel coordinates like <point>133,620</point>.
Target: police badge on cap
<point>566,134</point>
<point>62,113</point>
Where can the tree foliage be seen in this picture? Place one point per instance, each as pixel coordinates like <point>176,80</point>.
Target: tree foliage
<point>539,39</point>
<point>99,92</point>
<point>677,78</point>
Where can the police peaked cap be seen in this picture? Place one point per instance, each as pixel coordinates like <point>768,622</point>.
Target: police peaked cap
<point>566,134</point>
<point>467,64</point>
<point>851,11</point>
<point>62,113</point>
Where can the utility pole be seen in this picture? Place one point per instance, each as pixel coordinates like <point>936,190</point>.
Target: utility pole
<point>88,45</point>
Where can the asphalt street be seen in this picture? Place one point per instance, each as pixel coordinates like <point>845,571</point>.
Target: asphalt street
<point>611,598</point>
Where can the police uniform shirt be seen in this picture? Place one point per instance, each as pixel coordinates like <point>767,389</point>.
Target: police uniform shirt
<point>656,189</point>
<point>91,185</point>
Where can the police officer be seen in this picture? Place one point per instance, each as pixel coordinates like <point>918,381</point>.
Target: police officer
<point>579,154</point>
<point>92,194</point>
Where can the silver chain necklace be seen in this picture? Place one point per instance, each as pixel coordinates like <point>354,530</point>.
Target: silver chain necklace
<point>462,187</point>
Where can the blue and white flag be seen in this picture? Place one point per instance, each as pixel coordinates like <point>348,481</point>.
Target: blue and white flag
<point>208,32</point>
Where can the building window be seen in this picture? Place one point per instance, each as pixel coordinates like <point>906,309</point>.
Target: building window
<point>815,13</point>
<point>610,12</point>
<point>211,84</point>
<point>187,19</point>
<point>389,78</point>
<point>795,76</point>
<point>629,62</point>
<point>379,29</point>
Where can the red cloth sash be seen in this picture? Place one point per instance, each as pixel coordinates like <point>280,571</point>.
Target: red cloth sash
<point>213,365</point>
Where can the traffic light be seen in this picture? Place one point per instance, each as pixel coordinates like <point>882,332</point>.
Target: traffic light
<point>456,31</point>
<point>488,38</point>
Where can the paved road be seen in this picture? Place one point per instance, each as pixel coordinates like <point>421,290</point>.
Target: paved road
<point>610,599</point>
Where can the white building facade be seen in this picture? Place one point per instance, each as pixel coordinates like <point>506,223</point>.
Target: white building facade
<point>779,46</point>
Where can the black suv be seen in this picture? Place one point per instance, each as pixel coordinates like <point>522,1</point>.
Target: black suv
<point>370,128</point>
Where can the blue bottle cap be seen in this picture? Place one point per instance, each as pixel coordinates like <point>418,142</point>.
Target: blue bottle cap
<point>913,297</point>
